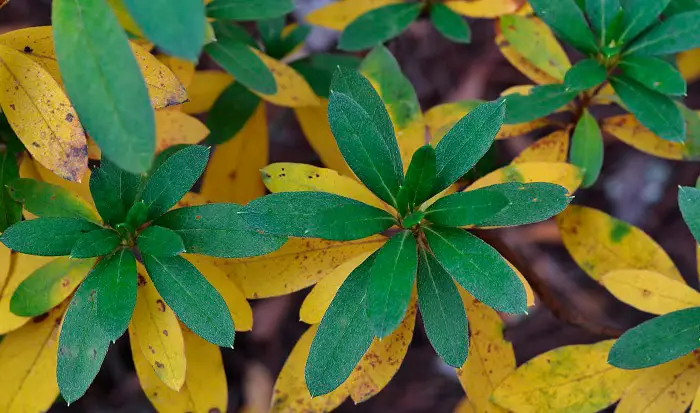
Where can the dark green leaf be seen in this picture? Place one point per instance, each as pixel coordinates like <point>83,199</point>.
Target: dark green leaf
<point>239,60</point>
<point>681,6</point>
<point>195,302</point>
<point>270,30</point>
<point>587,148</point>
<point>540,102</point>
<point>584,75</point>
<point>655,111</point>
<point>176,29</point>
<point>173,179</point>
<point>344,335</point>
<point>113,191</point>
<point>137,215</point>
<point>391,282</point>
<point>420,178</point>
<point>528,203</point>
<point>111,286</point>
<point>248,10</point>
<point>9,137</point>
<point>412,219</point>
<point>10,210</point>
<point>218,230</point>
<point>46,236</point>
<point>689,203</point>
<point>45,200</point>
<point>673,35</point>
<point>478,268</point>
<point>638,16</point>
<point>450,24</point>
<point>656,74</point>
<point>314,215</point>
<point>467,141</point>
<point>276,44</point>
<point>601,14</point>
<point>467,208</point>
<point>658,340</point>
<point>115,109</point>
<point>442,309</point>
<point>160,242</point>
<point>566,20</point>
<point>231,110</point>
<point>234,33</point>
<point>95,243</point>
<point>378,25</point>
<point>318,70</point>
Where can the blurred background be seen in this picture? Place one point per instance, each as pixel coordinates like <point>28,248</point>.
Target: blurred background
<point>633,186</point>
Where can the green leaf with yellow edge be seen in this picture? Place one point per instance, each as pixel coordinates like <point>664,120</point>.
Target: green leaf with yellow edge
<point>466,208</point>
<point>49,285</point>
<point>123,123</point>
<point>420,180</point>
<point>390,284</point>
<point>585,74</point>
<point>46,236</point>
<point>450,24</point>
<point>45,200</point>
<point>658,340</point>
<point>568,22</point>
<point>587,148</point>
<point>10,210</point>
<point>343,336</point>
<point>248,10</point>
<point>160,242</point>
<point>638,16</point>
<point>656,74</point>
<point>95,243</point>
<point>378,25</point>
<point>539,102</point>
<point>675,34</point>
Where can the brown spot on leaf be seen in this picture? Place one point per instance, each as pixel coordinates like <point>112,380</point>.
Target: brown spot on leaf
<point>69,117</point>
<point>27,49</point>
<point>141,280</point>
<point>159,364</point>
<point>39,319</point>
<point>161,305</point>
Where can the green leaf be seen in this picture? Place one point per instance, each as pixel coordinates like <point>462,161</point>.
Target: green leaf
<point>45,200</point>
<point>137,215</point>
<point>276,44</point>
<point>467,141</point>
<point>231,110</point>
<point>420,178</point>
<point>638,16</point>
<point>12,143</point>
<point>681,6</point>
<point>46,236</point>
<point>238,59</point>
<point>442,310</point>
<point>601,14</point>
<point>195,302</point>
<point>584,75</point>
<point>658,340</point>
<point>528,203</point>
<point>10,210</point>
<point>314,215</point>
<point>378,25</point>
<point>654,110</point>
<point>568,22</point>
<point>673,35</point>
<point>115,109</point>
<point>113,191</point>
<point>450,24</point>
<point>171,181</point>
<point>466,208</point>
<point>656,74</point>
<point>248,10</point>
<point>176,29</point>
<point>318,70</point>
<point>95,243</point>
<point>689,203</point>
<point>218,230</point>
<point>343,336</point>
<point>540,102</point>
<point>48,286</point>
<point>412,219</point>
<point>587,148</point>
<point>478,268</point>
<point>159,242</point>
<point>391,282</point>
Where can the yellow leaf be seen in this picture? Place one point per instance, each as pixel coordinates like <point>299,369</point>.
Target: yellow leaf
<point>204,89</point>
<point>383,359</point>
<point>605,96</point>
<point>552,148</point>
<point>22,267</point>
<point>290,394</point>
<point>205,388</point>
<point>529,294</point>
<point>484,8</point>
<point>155,331</point>
<point>338,15</point>
<point>298,264</point>
<point>176,128</point>
<point>5,260</point>
<point>314,123</point>
<point>288,177</point>
<point>563,174</point>
<point>233,174</point>
<point>81,188</point>
<point>181,68</point>
<point>28,364</point>
<point>627,129</point>
<point>319,299</point>
<point>292,89</point>
<point>491,358</point>
<point>465,406</point>
<point>600,243</point>
<point>238,306</point>
<point>163,87</point>
<point>41,115</point>
<point>650,291</point>
<point>695,408</point>
<point>572,378</point>
<point>524,65</point>
<point>669,387</point>
<point>689,64</point>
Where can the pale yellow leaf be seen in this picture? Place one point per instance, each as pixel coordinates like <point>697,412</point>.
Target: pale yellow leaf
<point>292,89</point>
<point>689,64</point>
<point>627,129</point>
<point>233,174</point>
<point>650,291</point>
<point>313,121</point>
<point>181,68</point>
<point>21,268</point>
<point>600,243</point>
<point>484,8</point>
<point>204,89</point>
<point>552,148</point>
<point>338,15</point>
<point>563,174</point>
